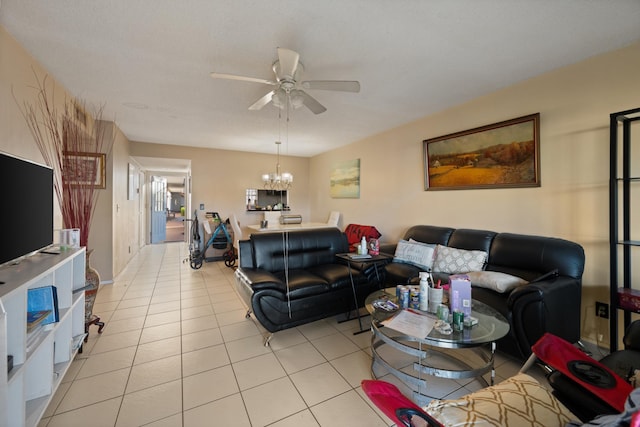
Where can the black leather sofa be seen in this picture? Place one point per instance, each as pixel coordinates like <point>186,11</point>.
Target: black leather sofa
<point>550,302</point>
<point>291,279</point>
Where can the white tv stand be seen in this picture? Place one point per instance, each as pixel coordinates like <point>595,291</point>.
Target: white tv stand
<point>26,390</point>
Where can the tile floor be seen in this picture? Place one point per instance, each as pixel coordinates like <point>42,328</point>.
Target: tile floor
<point>177,350</point>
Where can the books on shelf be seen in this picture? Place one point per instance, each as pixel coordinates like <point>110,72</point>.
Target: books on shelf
<point>33,337</point>
<point>44,298</point>
<point>35,319</point>
<point>35,327</point>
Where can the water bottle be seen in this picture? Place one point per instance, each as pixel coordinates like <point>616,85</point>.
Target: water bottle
<point>424,291</point>
<point>363,246</point>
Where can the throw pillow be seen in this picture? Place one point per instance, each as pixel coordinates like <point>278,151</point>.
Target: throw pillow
<point>457,261</point>
<point>415,253</point>
<point>517,401</point>
<point>494,280</point>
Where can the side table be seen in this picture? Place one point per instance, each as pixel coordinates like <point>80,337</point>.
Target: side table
<point>363,264</point>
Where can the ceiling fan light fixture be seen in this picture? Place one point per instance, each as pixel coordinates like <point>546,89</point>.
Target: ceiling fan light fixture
<point>297,100</point>
<point>288,92</point>
<point>279,98</point>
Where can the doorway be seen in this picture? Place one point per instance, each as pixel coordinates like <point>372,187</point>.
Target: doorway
<point>168,208</point>
<point>166,189</point>
<point>176,209</point>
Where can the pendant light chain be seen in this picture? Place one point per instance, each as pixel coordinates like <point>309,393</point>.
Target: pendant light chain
<point>280,181</point>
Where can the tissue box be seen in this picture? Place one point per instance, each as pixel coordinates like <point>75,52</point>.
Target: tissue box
<point>460,293</point>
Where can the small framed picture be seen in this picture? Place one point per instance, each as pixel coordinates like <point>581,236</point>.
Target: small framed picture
<point>84,169</point>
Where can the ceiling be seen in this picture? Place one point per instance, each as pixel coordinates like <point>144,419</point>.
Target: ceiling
<point>173,170</point>
<point>148,61</point>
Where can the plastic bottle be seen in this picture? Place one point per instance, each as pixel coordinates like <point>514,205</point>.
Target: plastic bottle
<point>424,291</point>
<point>363,246</point>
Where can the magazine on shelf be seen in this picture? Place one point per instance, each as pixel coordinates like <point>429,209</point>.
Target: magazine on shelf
<point>42,299</point>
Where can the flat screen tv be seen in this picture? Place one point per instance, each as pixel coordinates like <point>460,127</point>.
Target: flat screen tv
<point>27,207</point>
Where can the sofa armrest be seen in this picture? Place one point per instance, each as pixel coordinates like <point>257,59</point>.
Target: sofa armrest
<point>259,279</point>
<point>549,305</point>
<point>388,248</point>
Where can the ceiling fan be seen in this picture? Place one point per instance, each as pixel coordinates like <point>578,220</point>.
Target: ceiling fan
<point>288,89</point>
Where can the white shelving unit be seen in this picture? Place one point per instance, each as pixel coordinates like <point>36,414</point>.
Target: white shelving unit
<point>26,390</point>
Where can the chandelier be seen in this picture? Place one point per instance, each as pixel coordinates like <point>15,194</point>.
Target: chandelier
<point>278,180</point>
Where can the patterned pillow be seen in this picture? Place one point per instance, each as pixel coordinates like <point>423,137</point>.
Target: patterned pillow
<point>415,253</point>
<point>494,280</point>
<point>457,261</point>
<point>517,401</point>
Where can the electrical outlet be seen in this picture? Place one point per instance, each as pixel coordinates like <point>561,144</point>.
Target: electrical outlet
<point>602,309</point>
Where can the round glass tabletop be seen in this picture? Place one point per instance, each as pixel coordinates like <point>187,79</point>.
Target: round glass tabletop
<point>491,324</point>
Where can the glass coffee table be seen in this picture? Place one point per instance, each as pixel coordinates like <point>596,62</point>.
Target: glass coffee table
<point>468,353</point>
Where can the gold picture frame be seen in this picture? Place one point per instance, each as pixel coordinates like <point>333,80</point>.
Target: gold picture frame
<point>85,169</point>
<point>500,155</point>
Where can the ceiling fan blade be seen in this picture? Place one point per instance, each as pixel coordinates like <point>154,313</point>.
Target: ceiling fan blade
<point>262,101</point>
<point>288,62</point>
<point>311,103</point>
<point>242,78</point>
<point>340,85</point>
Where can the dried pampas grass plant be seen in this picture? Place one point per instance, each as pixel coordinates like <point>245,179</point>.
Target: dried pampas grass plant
<point>76,149</point>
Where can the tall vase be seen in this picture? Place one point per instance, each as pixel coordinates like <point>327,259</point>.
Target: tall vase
<point>92,283</point>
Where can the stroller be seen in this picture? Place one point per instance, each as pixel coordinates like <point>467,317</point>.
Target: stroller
<point>220,239</point>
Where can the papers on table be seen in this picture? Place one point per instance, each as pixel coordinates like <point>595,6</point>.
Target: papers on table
<point>359,256</point>
<point>410,323</point>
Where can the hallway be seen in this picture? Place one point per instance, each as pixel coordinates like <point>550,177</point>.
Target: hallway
<point>175,229</point>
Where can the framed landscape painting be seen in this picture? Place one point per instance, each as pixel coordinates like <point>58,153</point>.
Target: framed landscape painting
<point>501,155</point>
<point>344,182</point>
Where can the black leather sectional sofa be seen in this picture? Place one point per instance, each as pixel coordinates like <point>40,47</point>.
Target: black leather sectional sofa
<point>289,279</point>
<point>550,302</point>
